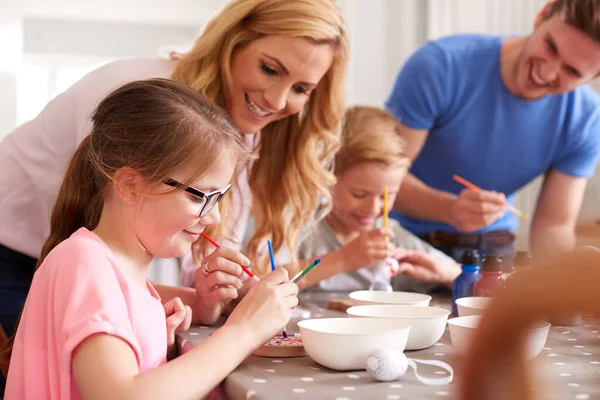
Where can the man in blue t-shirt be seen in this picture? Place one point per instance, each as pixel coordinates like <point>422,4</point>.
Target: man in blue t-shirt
<point>499,112</point>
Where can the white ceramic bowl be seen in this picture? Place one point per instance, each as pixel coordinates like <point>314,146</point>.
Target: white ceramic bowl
<point>427,323</point>
<point>472,305</point>
<point>462,329</point>
<point>371,297</point>
<point>345,343</point>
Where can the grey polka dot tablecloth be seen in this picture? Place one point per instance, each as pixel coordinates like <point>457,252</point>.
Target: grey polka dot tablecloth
<point>570,363</point>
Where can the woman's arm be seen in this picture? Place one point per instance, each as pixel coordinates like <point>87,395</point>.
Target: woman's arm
<point>212,292</point>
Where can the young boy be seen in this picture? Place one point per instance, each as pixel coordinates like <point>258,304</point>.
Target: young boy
<point>354,246</point>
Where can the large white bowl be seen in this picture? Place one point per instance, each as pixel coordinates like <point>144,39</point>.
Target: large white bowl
<point>472,305</point>
<point>463,328</point>
<point>427,323</point>
<point>370,297</point>
<point>345,343</point>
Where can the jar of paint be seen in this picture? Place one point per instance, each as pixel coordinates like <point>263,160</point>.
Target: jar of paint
<point>491,277</point>
<point>470,275</point>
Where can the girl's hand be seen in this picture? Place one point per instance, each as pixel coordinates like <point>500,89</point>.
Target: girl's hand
<point>217,282</point>
<point>179,318</point>
<point>267,307</point>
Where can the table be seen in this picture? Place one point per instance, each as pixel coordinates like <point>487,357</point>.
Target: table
<point>570,362</point>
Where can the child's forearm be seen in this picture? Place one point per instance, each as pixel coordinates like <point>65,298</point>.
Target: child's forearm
<point>563,286</point>
<point>567,284</point>
<point>194,374</point>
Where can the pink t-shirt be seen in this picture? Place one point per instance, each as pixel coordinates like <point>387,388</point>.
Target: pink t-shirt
<point>78,291</point>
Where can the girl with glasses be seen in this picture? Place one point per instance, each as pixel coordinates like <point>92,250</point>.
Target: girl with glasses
<point>93,326</point>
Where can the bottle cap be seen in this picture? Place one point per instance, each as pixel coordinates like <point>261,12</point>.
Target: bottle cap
<point>470,257</point>
<point>493,263</point>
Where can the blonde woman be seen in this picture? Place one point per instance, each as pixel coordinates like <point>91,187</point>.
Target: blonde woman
<point>276,66</point>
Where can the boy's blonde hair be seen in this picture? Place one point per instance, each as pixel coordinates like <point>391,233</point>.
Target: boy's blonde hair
<point>370,134</point>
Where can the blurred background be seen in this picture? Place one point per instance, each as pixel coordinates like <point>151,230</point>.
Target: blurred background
<point>46,45</point>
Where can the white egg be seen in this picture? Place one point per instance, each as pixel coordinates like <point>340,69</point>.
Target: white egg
<point>387,364</point>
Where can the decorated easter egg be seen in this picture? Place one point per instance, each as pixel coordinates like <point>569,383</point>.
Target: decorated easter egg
<point>387,364</point>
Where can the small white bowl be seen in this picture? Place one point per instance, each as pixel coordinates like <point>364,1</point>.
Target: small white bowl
<point>371,297</point>
<point>463,328</point>
<point>344,344</point>
<point>472,305</point>
<point>427,323</point>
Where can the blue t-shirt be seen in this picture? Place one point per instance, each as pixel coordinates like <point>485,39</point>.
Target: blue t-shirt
<point>452,87</point>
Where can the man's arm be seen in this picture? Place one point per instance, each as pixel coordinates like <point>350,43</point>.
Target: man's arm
<point>419,201</point>
<point>558,205</point>
<point>415,198</point>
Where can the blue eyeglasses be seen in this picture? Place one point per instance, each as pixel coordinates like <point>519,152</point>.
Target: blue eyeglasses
<point>207,200</point>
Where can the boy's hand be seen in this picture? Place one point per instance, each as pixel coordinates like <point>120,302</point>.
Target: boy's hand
<point>425,267</point>
<point>368,248</point>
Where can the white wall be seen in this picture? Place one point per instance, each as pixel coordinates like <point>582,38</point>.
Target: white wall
<point>102,38</point>
<point>11,43</point>
<point>383,34</point>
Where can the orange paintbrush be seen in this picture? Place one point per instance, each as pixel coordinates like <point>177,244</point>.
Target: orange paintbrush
<point>476,188</point>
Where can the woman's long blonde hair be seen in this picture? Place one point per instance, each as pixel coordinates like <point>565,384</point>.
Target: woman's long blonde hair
<point>293,172</point>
